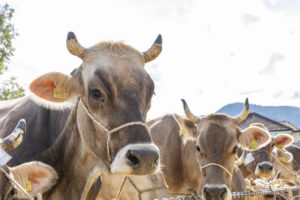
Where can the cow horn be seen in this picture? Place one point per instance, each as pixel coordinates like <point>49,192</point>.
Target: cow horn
<point>15,138</point>
<point>154,50</point>
<point>244,114</point>
<point>241,159</point>
<point>73,45</point>
<point>188,113</point>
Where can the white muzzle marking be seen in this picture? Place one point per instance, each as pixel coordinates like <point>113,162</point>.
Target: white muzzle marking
<point>120,162</point>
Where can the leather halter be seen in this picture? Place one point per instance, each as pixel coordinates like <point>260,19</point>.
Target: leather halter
<point>111,131</point>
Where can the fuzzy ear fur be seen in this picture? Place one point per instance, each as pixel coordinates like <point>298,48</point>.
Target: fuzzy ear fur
<point>283,155</point>
<point>283,140</point>
<point>187,128</point>
<point>35,177</point>
<point>254,137</point>
<point>55,87</point>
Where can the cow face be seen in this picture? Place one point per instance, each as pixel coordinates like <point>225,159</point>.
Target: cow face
<point>217,139</point>
<point>114,89</point>
<point>264,158</point>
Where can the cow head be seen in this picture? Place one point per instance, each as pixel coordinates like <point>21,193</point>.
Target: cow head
<point>34,177</point>
<point>114,89</point>
<point>217,139</point>
<point>262,165</point>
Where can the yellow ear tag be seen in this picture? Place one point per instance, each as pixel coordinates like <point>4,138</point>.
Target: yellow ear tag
<point>181,132</point>
<point>253,145</point>
<point>60,93</point>
<point>280,146</point>
<point>283,160</point>
<point>28,186</point>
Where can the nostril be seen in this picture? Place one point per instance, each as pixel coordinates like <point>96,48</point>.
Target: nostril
<point>271,167</point>
<point>133,160</point>
<point>205,192</point>
<point>260,167</point>
<point>156,160</point>
<point>223,192</point>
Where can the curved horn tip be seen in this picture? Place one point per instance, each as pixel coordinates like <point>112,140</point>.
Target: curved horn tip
<point>21,124</point>
<point>158,39</point>
<point>71,35</point>
<point>247,103</point>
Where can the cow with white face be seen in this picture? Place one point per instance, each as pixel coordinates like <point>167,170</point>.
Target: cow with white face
<point>35,177</point>
<point>217,139</point>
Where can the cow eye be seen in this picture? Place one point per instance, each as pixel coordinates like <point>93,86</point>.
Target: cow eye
<point>234,150</point>
<point>198,150</point>
<point>12,192</point>
<point>97,95</point>
<point>273,144</point>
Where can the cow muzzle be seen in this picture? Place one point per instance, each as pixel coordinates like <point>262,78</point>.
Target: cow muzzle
<point>264,170</point>
<point>216,192</point>
<point>137,159</point>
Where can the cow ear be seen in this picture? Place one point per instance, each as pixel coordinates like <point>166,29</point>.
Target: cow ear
<point>287,157</point>
<point>35,177</point>
<point>253,138</point>
<point>55,87</point>
<point>283,155</point>
<point>187,128</point>
<point>283,140</point>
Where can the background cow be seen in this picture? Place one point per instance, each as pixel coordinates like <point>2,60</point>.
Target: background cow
<point>111,89</point>
<point>35,177</point>
<point>216,138</point>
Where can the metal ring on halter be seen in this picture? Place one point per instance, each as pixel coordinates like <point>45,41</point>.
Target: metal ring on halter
<point>109,132</point>
<point>215,164</point>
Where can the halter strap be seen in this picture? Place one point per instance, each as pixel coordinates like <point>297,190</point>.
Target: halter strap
<point>218,165</point>
<point>109,132</point>
<point>16,184</point>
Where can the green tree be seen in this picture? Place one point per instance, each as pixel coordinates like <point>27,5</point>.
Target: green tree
<point>9,89</point>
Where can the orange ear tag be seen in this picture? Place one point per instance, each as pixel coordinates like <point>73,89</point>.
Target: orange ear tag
<point>28,186</point>
<point>280,146</point>
<point>60,93</point>
<point>253,145</point>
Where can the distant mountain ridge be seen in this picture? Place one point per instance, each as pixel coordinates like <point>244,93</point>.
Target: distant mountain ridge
<point>277,113</point>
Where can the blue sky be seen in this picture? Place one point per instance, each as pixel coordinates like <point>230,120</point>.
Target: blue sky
<point>214,52</point>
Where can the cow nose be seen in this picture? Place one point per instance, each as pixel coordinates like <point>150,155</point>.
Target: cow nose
<point>265,166</point>
<point>142,161</point>
<point>215,193</point>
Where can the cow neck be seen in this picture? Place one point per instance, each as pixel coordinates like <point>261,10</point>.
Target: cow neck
<point>69,158</point>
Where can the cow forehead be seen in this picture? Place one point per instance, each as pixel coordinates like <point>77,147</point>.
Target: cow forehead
<point>218,135</point>
<point>113,50</point>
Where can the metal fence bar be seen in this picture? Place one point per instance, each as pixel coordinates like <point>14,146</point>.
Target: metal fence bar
<point>236,195</point>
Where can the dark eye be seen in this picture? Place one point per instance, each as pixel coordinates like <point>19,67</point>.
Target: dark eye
<point>198,150</point>
<point>12,192</point>
<point>234,150</point>
<point>273,144</point>
<point>97,95</point>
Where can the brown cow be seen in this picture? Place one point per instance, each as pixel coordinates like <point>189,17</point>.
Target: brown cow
<point>217,138</point>
<point>262,165</point>
<point>34,177</point>
<point>109,94</point>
